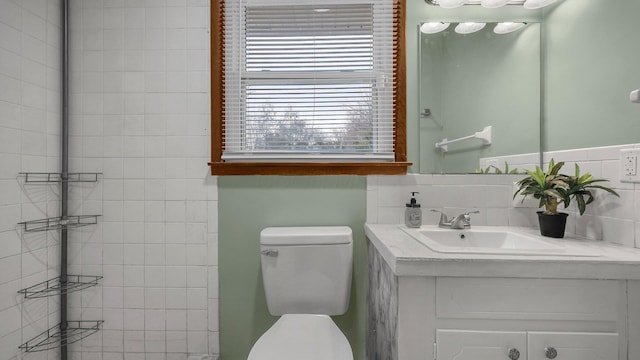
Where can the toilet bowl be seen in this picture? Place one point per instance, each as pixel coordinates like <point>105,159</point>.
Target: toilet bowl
<point>306,273</point>
<point>302,337</point>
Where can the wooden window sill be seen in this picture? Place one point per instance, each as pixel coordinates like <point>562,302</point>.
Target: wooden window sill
<point>314,168</point>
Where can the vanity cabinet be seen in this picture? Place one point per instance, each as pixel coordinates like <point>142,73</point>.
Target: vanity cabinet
<point>519,345</point>
<point>467,317</point>
<point>546,318</point>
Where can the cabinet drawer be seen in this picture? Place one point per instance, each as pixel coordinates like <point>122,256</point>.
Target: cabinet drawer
<point>480,345</point>
<point>572,346</point>
<point>527,299</point>
<point>521,345</point>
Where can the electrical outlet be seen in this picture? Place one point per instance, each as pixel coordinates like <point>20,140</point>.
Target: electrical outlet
<point>629,165</point>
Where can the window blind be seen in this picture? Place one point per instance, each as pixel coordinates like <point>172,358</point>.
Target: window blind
<point>309,81</point>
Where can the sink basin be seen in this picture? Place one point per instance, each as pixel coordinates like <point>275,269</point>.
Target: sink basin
<point>491,240</point>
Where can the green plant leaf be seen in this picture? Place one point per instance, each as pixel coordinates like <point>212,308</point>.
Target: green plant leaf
<point>554,168</point>
<point>582,206</point>
<point>609,190</point>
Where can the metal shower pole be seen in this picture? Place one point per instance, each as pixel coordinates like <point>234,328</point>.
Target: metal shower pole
<point>64,184</point>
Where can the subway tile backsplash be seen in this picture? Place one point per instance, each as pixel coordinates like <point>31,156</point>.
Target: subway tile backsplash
<point>611,219</point>
<point>490,194</point>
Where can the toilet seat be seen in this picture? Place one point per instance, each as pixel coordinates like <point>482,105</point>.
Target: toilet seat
<point>302,337</point>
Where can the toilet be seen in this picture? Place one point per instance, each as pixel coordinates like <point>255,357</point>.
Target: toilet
<point>307,278</point>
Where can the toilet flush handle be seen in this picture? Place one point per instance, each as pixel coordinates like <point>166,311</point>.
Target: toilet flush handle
<point>269,252</point>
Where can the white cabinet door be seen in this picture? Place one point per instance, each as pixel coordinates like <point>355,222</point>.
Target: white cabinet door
<point>481,345</point>
<point>572,346</point>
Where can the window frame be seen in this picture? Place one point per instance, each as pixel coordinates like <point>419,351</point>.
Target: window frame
<point>219,167</point>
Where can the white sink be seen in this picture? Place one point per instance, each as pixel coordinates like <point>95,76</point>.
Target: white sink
<point>492,240</point>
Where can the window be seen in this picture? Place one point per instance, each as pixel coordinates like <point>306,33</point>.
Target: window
<point>307,88</point>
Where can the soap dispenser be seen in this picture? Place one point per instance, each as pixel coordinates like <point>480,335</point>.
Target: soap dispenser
<point>413,213</point>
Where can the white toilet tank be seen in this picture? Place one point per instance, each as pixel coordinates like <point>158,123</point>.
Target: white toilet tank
<point>307,270</point>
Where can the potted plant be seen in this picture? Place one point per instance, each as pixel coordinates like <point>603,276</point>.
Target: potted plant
<point>552,188</point>
<point>497,170</point>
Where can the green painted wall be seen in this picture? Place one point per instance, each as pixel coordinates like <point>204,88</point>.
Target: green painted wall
<point>249,204</point>
<point>591,66</point>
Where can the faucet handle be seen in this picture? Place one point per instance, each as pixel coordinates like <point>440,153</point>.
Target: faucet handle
<point>467,215</point>
<point>443,222</point>
<point>443,216</point>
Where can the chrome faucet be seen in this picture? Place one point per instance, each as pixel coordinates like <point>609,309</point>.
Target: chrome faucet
<point>462,221</point>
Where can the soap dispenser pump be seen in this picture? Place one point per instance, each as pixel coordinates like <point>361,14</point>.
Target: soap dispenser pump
<point>413,213</point>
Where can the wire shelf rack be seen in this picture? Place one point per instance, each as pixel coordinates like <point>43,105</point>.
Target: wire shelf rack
<point>59,222</point>
<point>55,286</point>
<point>55,336</point>
<point>41,177</point>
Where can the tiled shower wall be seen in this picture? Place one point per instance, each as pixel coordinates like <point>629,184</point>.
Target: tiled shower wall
<point>609,218</point>
<point>29,130</point>
<point>140,115</point>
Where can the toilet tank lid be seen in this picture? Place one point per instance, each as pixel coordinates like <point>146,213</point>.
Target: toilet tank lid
<point>306,235</point>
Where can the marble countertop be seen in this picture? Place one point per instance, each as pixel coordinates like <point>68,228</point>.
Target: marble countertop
<point>408,257</point>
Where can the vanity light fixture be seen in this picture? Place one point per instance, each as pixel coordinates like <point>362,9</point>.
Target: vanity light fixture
<point>507,27</point>
<point>537,4</point>
<point>450,4</point>
<point>528,4</point>
<point>492,4</point>
<point>433,27</point>
<point>469,27</point>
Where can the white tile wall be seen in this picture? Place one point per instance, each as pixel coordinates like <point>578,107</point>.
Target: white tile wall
<point>140,115</point>
<point>29,128</point>
<point>490,194</point>
<point>142,119</point>
<point>610,218</point>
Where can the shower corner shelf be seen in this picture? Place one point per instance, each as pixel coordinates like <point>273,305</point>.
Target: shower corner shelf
<point>55,286</point>
<point>59,222</point>
<point>44,177</point>
<point>55,336</point>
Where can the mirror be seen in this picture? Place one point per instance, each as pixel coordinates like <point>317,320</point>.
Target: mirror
<point>484,89</point>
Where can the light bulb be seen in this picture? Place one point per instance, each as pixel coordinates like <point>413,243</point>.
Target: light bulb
<point>450,4</point>
<point>493,3</point>
<point>469,27</point>
<point>537,4</point>
<point>507,27</point>
<point>433,27</point>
